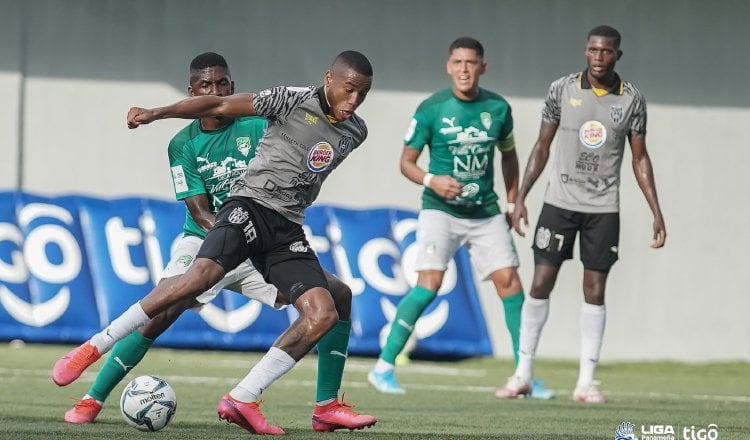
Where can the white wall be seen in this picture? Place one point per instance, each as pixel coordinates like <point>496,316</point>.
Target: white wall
<point>688,301</point>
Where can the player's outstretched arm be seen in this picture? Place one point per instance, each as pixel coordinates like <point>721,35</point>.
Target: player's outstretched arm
<point>644,175</point>
<point>535,166</point>
<point>195,107</point>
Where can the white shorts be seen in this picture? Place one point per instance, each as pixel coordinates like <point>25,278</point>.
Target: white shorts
<point>244,279</point>
<point>488,240</point>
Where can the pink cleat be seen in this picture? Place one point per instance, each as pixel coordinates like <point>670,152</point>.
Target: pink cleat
<point>246,415</point>
<point>338,415</point>
<point>85,411</point>
<point>515,387</point>
<point>69,367</point>
<point>589,394</point>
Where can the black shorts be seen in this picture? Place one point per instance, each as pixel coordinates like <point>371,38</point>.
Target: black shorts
<point>556,233</point>
<point>277,247</point>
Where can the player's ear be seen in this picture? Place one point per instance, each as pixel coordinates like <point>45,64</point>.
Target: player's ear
<point>483,69</point>
<point>619,54</point>
<point>190,91</point>
<point>231,88</point>
<point>328,78</point>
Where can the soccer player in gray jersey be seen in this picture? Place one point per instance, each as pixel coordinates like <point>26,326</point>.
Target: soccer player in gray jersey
<point>213,140</point>
<point>592,112</point>
<point>310,132</point>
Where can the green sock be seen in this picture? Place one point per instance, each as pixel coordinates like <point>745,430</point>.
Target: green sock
<point>513,305</point>
<point>332,352</point>
<point>125,355</point>
<point>409,310</point>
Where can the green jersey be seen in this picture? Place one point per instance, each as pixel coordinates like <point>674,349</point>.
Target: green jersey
<point>462,137</point>
<point>208,161</point>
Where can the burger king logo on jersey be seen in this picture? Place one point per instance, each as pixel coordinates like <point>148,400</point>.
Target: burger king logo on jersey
<point>320,157</point>
<point>592,134</point>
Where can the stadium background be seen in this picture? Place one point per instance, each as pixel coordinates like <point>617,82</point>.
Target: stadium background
<point>70,69</point>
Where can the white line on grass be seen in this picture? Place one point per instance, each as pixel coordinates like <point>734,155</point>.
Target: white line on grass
<point>18,374</point>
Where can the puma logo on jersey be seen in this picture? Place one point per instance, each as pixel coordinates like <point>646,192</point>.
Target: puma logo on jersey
<point>451,128</point>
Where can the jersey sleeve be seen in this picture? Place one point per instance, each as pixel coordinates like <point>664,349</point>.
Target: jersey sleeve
<point>506,134</point>
<point>279,102</point>
<point>419,132</point>
<point>638,122</point>
<point>185,176</point>
<point>551,110</point>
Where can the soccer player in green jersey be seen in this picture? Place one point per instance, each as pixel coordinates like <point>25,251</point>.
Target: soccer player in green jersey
<point>205,158</point>
<point>592,113</point>
<point>310,133</point>
<point>462,126</point>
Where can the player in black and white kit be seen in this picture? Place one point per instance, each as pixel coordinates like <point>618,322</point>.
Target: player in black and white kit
<point>310,132</point>
<point>592,113</point>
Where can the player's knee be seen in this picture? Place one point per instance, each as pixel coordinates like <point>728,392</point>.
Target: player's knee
<point>507,281</point>
<point>203,274</point>
<point>430,279</point>
<point>342,297</point>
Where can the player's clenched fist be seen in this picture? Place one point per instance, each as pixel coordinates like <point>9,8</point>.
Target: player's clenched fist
<point>138,116</point>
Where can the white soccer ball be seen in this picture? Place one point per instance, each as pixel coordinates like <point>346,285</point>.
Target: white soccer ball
<point>148,403</point>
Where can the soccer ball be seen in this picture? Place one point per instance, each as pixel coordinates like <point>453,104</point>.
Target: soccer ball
<point>148,403</point>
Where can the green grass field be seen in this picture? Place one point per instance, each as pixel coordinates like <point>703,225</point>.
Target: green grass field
<point>445,400</point>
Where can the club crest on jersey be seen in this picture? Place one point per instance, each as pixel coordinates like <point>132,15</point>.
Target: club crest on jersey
<point>592,134</point>
<point>243,144</point>
<point>615,113</point>
<point>486,119</point>
<point>345,144</point>
<point>320,157</point>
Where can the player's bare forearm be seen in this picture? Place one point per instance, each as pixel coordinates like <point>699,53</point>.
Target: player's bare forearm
<point>444,185</point>
<point>644,175</point>
<point>408,165</point>
<point>200,211</point>
<point>511,174</point>
<point>195,107</point>
<point>538,158</point>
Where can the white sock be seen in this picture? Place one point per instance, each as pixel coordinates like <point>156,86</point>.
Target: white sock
<point>119,328</point>
<point>274,364</point>
<point>593,319</point>
<point>533,317</point>
<point>89,397</point>
<point>382,366</point>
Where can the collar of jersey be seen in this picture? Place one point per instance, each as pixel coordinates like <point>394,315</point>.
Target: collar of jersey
<point>616,88</point>
<point>324,105</point>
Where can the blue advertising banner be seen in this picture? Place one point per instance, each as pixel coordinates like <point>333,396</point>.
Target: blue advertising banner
<point>70,264</point>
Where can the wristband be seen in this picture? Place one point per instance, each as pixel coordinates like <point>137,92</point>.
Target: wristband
<point>427,179</point>
<point>511,207</point>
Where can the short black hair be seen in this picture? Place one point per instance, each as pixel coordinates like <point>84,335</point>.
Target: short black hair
<point>355,60</point>
<point>467,43</point>
<point>606,31</point>
<point>206,60</point>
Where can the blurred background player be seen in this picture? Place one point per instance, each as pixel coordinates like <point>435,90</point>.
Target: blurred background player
<point>311,131</point>
<point>594,111</point>
<point>462,126</point>
<point>205,158</point>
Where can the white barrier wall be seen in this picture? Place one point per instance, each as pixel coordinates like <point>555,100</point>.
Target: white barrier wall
<point>688,301</point>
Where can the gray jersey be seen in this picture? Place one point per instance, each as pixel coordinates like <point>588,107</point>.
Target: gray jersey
<point>590,141</point>
<point>299,150</point>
